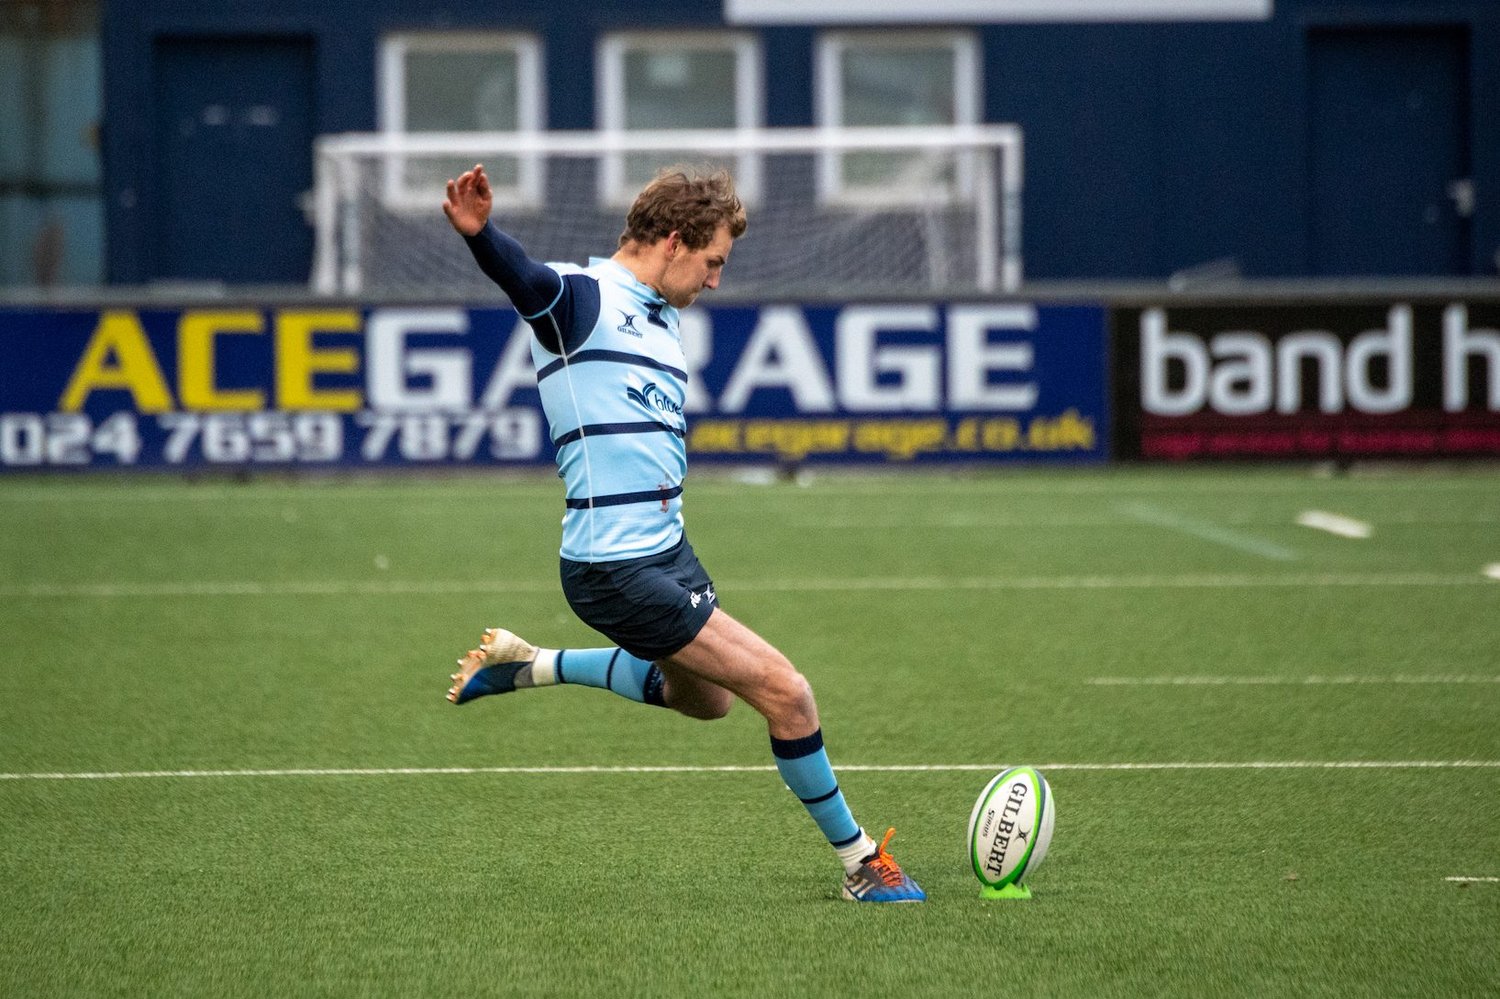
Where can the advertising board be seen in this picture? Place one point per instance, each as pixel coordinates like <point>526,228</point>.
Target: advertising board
<point>451,386</point>
<point>1338,381</point>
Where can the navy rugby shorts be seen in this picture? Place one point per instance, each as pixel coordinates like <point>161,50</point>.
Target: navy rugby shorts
<point>651,607</point>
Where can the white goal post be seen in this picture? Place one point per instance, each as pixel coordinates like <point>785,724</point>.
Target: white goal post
<point>834,212</point>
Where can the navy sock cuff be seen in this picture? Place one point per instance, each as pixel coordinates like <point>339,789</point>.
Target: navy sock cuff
<point>653,691</point>
<point>795,749</point>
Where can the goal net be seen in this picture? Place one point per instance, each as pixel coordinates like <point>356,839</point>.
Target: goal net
<point>834,212</point>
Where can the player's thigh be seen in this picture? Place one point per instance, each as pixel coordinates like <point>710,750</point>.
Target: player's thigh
<point>730,655</point>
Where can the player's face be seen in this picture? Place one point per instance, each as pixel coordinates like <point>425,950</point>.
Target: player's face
<point>691,271</point>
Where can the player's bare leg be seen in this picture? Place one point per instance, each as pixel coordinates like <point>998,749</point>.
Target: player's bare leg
<point>729,657</point>
<point>735,660</point>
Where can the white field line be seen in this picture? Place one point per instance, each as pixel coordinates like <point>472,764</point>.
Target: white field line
<point>1492,571</point>
<point>345,588</point>
<point>247,588</point>
<point>983,519</point>
<point>288,509</point>
<point>1412,519</point>
<point>494,486</point>
<point>1207,531</point>
<point>495,490</point>
<point>1286,681</point>
<point>1334,523</point>
<point>853,768</point>
<point>956,521</point>
<point>1468,880</point>
<point>115,502</point>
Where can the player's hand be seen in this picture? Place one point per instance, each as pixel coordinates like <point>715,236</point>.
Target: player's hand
<point>468,203</point>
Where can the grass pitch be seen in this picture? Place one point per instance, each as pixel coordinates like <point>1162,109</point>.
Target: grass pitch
<point>227,767</point>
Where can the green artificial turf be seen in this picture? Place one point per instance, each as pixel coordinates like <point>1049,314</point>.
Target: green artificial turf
<point>1271,747</point>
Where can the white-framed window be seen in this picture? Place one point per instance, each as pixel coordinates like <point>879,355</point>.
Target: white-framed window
<point>450,82</point>
<point>891,80</point>
<point>671,81</point>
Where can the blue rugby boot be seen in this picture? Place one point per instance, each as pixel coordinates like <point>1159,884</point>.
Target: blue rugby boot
<point>501,664</point>
<point>880,879</point>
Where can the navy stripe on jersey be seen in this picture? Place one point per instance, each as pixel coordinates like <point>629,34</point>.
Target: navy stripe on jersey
<point>624,499</point>
<point>606,429</point>
<point>620,356</point>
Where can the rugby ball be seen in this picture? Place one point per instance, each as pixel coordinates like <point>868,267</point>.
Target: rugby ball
<point>1011,827</point>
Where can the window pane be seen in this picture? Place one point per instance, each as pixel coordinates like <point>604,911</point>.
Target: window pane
<point>887,86</point>
<point>691,89</point>
<point>54,242</point>
<point>462,92</point>
<point>18,220</point>
<point>673,82</point>
<point>15,125</point>
<point>71,92</point>
<point>79,228</point>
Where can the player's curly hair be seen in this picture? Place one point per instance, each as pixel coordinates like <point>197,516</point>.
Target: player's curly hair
<point>687,202</point>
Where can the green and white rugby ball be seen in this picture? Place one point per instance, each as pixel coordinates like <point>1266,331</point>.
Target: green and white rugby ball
<point>1011,827</point>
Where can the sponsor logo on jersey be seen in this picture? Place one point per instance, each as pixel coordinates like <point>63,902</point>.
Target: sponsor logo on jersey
<point>651,396</point>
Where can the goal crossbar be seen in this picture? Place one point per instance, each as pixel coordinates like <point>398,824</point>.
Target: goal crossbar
<point>983,163</point>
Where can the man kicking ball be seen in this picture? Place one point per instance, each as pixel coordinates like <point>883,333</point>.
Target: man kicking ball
<point>612,379</point>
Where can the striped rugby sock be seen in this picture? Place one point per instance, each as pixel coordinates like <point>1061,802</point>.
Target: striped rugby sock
<point>804,766</point>
<point>614,670</point>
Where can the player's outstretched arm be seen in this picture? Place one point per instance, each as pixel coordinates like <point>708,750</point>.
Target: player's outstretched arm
<point>537,291</point>
<point>469,200</point>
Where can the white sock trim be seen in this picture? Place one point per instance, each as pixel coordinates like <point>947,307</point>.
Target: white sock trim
<point>855,853</point>
<point>544,668</point>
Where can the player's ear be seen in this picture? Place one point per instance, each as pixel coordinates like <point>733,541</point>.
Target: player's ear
<point>674,244</point>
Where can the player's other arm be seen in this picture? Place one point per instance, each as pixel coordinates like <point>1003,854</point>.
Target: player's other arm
<point>539,293</point>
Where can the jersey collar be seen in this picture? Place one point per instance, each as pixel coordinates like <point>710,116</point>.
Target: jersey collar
<point>644,292</point>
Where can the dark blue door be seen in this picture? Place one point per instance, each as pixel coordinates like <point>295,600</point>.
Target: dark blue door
<point>1390,151</point>
<point>234,119</point>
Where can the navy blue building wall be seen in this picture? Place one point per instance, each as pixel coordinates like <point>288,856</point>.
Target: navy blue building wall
<point>1150,147</point>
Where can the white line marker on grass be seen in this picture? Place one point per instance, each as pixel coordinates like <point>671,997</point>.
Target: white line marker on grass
<point>1493,571</point>
<point>1287,681</point>
<point>1465,880</point>
<point>1333,523</point>
<point>1205,531</point>
<point>396,587</point>
<point>109,775</point>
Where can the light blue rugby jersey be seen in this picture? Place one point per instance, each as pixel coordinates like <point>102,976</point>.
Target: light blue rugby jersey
<point>615,414</point>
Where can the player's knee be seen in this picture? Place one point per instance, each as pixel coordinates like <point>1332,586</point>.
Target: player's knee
<point>789,693</point>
